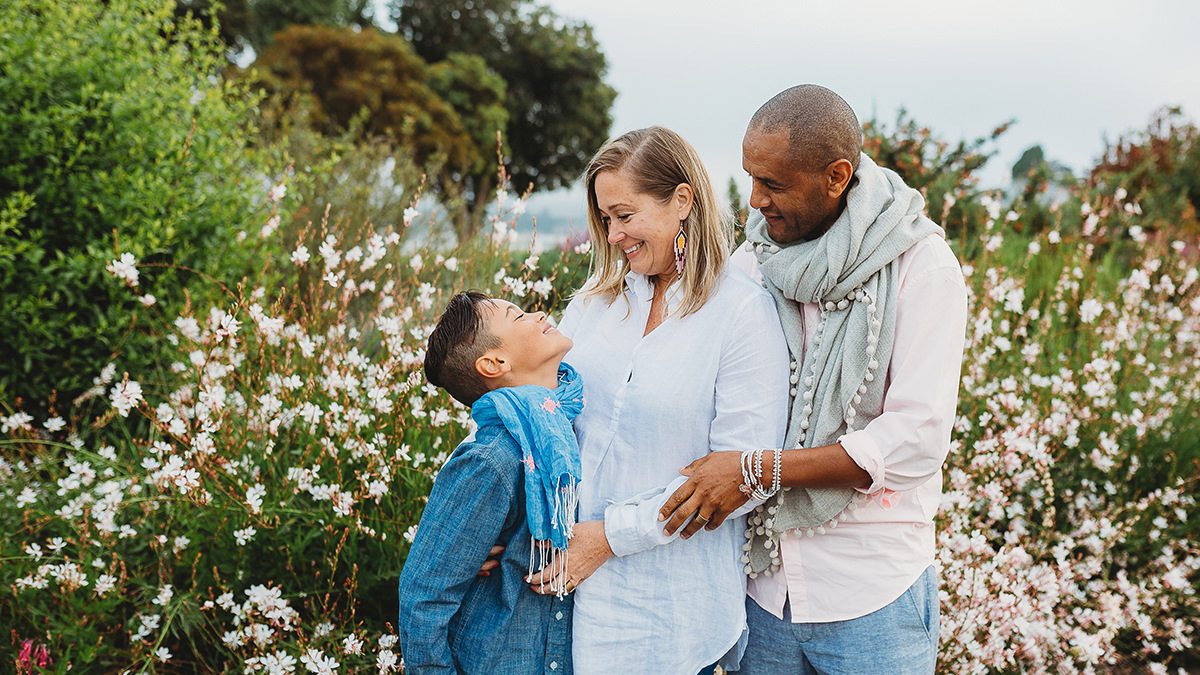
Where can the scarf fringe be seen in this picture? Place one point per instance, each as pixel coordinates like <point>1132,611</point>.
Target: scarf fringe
<point>541,553</point>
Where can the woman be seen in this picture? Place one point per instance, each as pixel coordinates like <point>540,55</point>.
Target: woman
<point>680,355</point>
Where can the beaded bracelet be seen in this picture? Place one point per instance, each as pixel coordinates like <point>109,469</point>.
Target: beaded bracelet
<point>752,485</point>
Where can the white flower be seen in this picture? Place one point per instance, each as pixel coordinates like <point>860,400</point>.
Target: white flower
<point>125,396</point>
<point>148,300</point>
<point>316,662</point>
<point>352,645</point>
<point>244,535</point>
<point>124,268</point>
<point>416,263</point>
<point>55,423</point>
<point>278,192</point>
<point>18,420</point>
<point>27,497</point>
<point>452,264</point>
<point>410,214</point>
<point>104,584</point>
<point>164,595</point>
<point>269,228</point>
<point>301,255</point>
<point>162,654</point>
<point>1054,237</point>
<point>254,497</point>
<point>386,661</point>
<point>1089,309</point>
<point>1034,248</point>
<point>324,628</point>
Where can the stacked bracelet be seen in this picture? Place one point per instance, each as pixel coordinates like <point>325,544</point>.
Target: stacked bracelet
<point>752,484</point>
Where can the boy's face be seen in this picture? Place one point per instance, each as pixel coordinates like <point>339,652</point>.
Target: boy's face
<point>528,341</point>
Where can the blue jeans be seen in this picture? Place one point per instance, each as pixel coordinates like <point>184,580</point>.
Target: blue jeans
<point>900,638</point>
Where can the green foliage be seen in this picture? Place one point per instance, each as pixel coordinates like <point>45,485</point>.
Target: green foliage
<point>253,23</point>
<point>942,171</point>
<point>373,85</point>
<point>1159,167</point>
<point>557,101</point>
<point>114,138</point>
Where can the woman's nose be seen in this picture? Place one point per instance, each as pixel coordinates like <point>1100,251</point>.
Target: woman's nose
<point>614,235</point>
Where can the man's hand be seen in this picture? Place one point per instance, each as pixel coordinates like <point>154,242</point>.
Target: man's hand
<point>711,493</point>
<point>587,551</point>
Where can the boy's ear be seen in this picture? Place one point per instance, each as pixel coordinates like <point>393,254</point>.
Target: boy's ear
<point>492,365</point>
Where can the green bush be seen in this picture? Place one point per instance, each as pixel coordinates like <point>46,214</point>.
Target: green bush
<point>116,137</point>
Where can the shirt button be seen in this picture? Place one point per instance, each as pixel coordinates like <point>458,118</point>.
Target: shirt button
<point>554,665</point>
<point>558,616</point>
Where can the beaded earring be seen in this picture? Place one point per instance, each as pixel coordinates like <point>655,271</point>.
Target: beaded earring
<point>680,249</point>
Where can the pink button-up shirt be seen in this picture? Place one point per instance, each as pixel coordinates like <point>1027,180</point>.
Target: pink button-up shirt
<point>887,540</point>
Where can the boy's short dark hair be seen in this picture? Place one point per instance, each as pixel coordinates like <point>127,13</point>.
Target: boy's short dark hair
<point>460,337</point>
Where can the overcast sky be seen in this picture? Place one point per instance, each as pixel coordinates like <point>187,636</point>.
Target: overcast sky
<point>1069,72</point>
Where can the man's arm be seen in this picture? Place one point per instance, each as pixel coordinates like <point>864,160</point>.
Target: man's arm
<point>750,401</point>
<point>466,514</point>
<point>714,482</point>
<point>899,450</point>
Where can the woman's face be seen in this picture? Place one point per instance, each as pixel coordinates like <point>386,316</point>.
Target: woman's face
<point>639,225</point>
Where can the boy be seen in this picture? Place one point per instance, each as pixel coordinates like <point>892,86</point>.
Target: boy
<point>513,483</point>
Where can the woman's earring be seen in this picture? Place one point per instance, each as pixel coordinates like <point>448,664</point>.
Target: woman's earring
<point>680,249</point>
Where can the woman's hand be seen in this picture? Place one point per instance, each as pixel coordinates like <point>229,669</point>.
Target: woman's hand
<point>711,493</point>
<point>587,551</point>
<point>492,562</point>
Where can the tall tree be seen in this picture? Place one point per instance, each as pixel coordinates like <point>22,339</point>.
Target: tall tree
<point>557,101</point>
<point>447,114</point>
<point>251,24</point>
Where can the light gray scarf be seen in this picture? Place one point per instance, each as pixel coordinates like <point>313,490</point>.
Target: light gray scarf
<point>838,383</point>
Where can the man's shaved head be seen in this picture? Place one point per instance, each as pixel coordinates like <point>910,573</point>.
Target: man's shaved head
<point>820,125</point>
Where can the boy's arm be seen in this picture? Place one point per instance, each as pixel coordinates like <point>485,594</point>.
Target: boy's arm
<point>466,514</point>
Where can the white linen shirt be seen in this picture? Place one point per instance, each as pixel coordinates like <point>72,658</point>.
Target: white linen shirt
<point>716,379</point>
<point>887,539</point>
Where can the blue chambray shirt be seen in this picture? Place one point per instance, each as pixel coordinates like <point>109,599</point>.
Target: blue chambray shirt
<point>451,619</point>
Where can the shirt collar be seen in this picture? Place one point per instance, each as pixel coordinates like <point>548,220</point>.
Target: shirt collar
<point>643,291</point>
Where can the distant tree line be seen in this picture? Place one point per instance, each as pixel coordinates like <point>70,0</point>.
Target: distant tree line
<point>454,76</point>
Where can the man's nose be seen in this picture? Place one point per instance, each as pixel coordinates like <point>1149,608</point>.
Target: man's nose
<point>758,197</point>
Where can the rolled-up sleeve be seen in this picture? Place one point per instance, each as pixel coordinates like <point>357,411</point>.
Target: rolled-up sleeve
<point>905,446</point>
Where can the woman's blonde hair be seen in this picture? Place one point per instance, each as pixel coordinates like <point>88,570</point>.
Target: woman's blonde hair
<point>657,160</point>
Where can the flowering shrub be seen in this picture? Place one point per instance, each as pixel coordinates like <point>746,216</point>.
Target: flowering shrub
<point>1064,541</point>
<point>262,521</point>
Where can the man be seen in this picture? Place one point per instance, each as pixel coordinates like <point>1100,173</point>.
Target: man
<point>873,306</point>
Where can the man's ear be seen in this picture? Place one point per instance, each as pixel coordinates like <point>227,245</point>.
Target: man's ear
<point>492,365</point>
<point>838,176</point>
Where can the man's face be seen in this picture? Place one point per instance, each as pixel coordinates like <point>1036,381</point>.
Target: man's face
<point>796,203</point>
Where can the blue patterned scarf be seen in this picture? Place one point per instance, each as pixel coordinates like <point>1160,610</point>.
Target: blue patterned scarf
<point>540,421</point>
